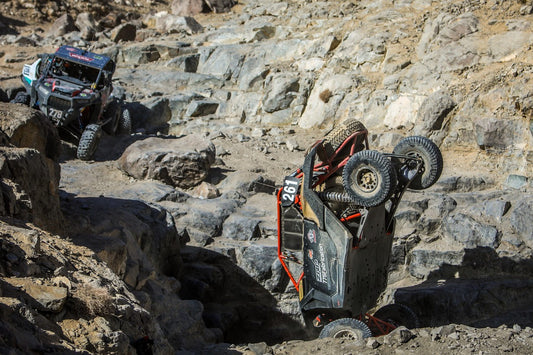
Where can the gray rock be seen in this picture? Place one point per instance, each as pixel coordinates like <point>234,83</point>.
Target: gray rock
<point>125,32</point>
<point>497,133</point>
<point>222,61</point>
<point>253,72</point>
<point>432,113</point>
<point>521,217</point>
<point>496,209</point>
<point>63,25</point>
<point>516,181</point>
<point>87,26</point>
<point>202,219</point>
<point>46,298</point>
<point>169,23</point>
<point>469,232</point>
<point>442,332</point>
<point>139,54</point>
<point>201,108</point>
<point>182,162</point>
<point>464,183</point>
<point>186,63</point>
<point>241,227</point>
<point>424,261</point>
<point>258,261</point>
<point>281,89</point>
<point>400,335</point>
<point>186,7</point>
<point>152,115</point>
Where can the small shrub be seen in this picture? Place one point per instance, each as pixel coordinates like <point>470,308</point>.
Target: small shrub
<point>325,95</point>
<point>93,300</point>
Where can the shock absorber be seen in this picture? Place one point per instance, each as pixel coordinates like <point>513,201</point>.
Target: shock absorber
<point>332,196</point>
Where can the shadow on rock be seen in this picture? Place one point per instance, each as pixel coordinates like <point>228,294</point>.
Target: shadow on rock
<point>6,24</point>
<point>134,238</point>
<point>484,291</point>
<point>233,301</point>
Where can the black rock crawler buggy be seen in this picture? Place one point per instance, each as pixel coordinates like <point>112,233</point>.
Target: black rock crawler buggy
<point>336,226</point>
<point>73,88</point>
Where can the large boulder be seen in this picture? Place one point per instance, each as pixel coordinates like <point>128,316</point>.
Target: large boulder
<point>29,170</point>
<point>165,22</point>
<point>194,7</point>
<point>182,162</point>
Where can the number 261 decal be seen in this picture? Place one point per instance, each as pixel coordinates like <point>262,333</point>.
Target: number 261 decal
<point>289,191</point>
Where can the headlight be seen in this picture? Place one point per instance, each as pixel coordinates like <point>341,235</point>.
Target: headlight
<point>43,90</point>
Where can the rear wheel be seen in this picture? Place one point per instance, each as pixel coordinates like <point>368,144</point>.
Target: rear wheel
<point>124,122</point>
<point>112,113</point>
<point>21,98</point>
<point>425,149</point>
<point>398,315</point>
<point>369,178</point>
<point>346,328</point>
<point>334,139</point>
<point>89,141</point>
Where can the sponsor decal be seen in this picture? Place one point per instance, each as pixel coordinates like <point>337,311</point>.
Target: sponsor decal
<point>320,266</point>
<point>80,57</point>
<point>311,236</point>
<point>310,253</point>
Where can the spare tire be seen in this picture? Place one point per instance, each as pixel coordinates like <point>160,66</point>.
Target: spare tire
<point>425,149</point>
<point>369,178</point>
<point>334,139</point>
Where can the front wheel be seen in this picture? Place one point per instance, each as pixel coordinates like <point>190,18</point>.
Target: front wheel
<point>346,328</point>
<point>89,141</point>
<point>432,164</point>
<point>21,98</point>
<point>369,178</point>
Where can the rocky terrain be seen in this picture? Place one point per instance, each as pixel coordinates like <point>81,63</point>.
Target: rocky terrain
<point>167,240</point>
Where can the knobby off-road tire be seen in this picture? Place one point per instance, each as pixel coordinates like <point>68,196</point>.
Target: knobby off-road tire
<point>89,141</point>
<point>21,98</point>
<point>124,122</point>
<point>369,178</point>
<point>422,147</point>
<point>346,328</point>
<point>113,111</point>
<point>398,315</point>
<point>334,139</point>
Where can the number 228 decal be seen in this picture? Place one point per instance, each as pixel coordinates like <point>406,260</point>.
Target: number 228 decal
<point>289,191</point>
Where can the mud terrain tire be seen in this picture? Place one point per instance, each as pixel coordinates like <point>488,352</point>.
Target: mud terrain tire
<point>398,315</point>
<point>89,141</point>
<point>369,178</point>
<point>423,148</point>
<point>334,139</point>
<point>21,98</point>
<point>124,122</point>
<point>346,328</point>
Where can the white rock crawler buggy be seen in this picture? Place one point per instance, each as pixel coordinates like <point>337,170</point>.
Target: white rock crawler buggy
<point>336,225</point>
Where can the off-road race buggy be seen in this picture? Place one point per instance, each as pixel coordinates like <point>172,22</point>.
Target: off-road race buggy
<point>73,88</point>
<point>336,225</point>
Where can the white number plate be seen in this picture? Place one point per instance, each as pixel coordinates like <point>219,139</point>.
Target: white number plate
<point>52,112</point>
<point>290,190</point>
